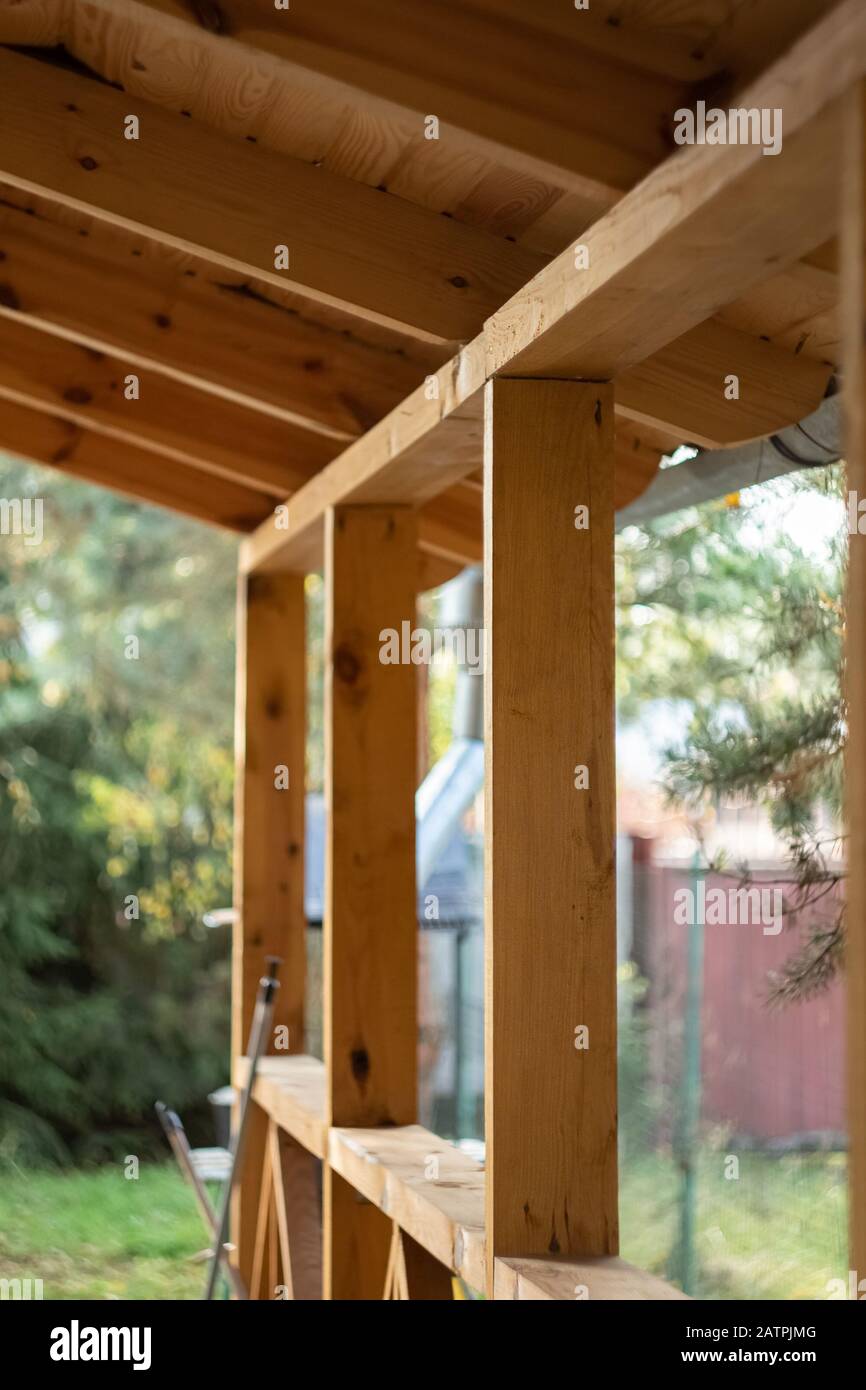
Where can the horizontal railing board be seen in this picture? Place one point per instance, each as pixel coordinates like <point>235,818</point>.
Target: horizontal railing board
<point>432,1190</point>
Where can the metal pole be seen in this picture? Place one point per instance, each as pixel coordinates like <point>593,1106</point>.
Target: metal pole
<point>259,1031</point>
<point>176,1135</point>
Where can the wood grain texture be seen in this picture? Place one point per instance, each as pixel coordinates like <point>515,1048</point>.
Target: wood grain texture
<point>413,1273</point>
<point>550,909</point>
<point>123,467</point>
<point>299,1224</point>
<point>708,223</point>
<point>543,1280</point>
<point>370,968</point>
<point>269,834</point>
<point>260,1285</point>
<point>683,387</point>
<point>300,361</point>
<point>61,135</point>
<point>853,249</point>
<point>351,83</point>
<point>357,1243</point>
<point>291,1089</point>
<point>177,422</point>
<point>434,1191</point>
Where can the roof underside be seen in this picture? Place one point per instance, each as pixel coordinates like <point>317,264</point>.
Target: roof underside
<point>309,129</point>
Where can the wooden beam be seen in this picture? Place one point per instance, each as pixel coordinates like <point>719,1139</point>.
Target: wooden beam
<point>291,1089</point>
<point>699,231</point>
<point>62,135</point>
<point>434,1191</point>
<point>370,908</point>
<point>413,1273</point>
<point>354,1265</point>
<point>96,458</point>
<point>550,823</point>
<point>262,1276</point>
<point>424,449</point>
<point>85,386</point>
<point>269,839</point>
<point>202,324</point>
<point>370,946</point>
<point>853,255</point>
<point>429,442</point>
<point>543,1280</point>
<point>532,106</point>
<point>688,386</point>
<point>299,1224</point>
<point>105,394</point>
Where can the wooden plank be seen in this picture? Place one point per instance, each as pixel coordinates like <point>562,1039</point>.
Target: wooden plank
<point>586,1279</point>
<point>201,324</point>
<point>298,1219</point>
<point>700,230</point>
<point>291,1089</point>
<point>434,1194</point>
<point>420,449</point>
<point>258,1285</point>
<point>269,810</point>
<point>550,904</point>
<point>395,1274</point>
<point>177,422</point>
<point>413,1273</point>
<point>269,831</point>
<point>370,911</point>
<point>425,1278</point>
<point>356,1265</point>
<point>853,255</point>
<point>62,135</point>
<point>433,440</point>
<point>370,943</point>
<point>684,387</point>
<point>434,1191</point>
<point>532,106</point>
<point>134,472</point>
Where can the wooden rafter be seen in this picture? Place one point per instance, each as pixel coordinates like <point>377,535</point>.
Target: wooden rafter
<point>80,453</point>
<point>200,323</point>
<point>380,68</point>
<point>110,396</point>
<point>666,256</point>
<point>62,135</point>
<point>698,232</point>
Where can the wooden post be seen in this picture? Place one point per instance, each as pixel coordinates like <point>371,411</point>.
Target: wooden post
<point>298,1218</point>
<point>852,299</point>
<point>269,840</point>
<point>550,1015</point>
<point>370,947</point>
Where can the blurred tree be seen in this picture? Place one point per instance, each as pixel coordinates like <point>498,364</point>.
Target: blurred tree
<point>721,607</point>
<point>116,673</point>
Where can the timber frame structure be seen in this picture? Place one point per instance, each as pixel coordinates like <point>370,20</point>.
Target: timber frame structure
<point>398,287</point>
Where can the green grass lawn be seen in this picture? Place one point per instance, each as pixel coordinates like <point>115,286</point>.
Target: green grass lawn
<point>95,1234</point>
<point>777,1231</point>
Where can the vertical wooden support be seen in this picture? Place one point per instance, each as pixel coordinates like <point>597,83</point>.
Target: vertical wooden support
<point>258,1284</point>
<point>853,309</point>
<point>269,840</point>
<point>357,1242</point>
<point>413,1274</point>
<point>550,924</point>
<point>297,1210</point>
<point>370,946</point>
